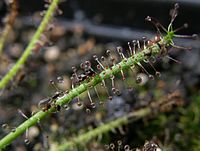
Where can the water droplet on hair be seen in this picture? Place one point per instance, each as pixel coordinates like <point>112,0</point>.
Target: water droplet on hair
<point>52,82</point>
<point>107,147</point>
<point>27,141</point>
<point>119,142</point>
<point>66,107</point>
<point>60,79</point>
<point>146,60</point>
<point>102,58</point>
<point>93,105</point>
<point>13,129</point>
<point>126,147</point>
<point>88,111</point>
<point>158,74</point>
<point>117,92</point>
<point>195,36</point>
<point>79,104</point>
<point>110,98</point>
<point>113,90</point>
<point>151,77</point>
<point>5,126</point>
<point>112,146</point>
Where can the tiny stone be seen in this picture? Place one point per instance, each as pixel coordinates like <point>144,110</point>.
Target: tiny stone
<point>52,54</point>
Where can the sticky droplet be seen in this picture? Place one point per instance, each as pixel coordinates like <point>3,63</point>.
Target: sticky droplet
<point>93,105</point>
<point>66,107</point>
<point>27,141</point>
<point>126,147</point>
<point>5,126</point>
<point>158,74</point>
<point>79,104</point>
<point>119,142</point>
<point>151,77</point>
<point>112,146</point>
<point>88,111</point>
<point>138,79</point>
<point>60,79</point>
<point>13,129</point>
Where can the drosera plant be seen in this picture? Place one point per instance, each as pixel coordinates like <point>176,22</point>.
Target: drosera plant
<point>153,108</point>
<point>33,43</point>
<point>104,128</point>
<point>138,53</point>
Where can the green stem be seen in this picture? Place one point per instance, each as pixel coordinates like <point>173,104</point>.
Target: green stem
<point>123,65</point>
<point>86,137</point>
<point>31,45</point>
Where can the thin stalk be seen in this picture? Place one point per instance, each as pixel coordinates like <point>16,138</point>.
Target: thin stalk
<point>104,128</point>
<point>123,65</point>
<point>31,45</point>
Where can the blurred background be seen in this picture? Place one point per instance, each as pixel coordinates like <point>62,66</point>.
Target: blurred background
<point>80,29</point>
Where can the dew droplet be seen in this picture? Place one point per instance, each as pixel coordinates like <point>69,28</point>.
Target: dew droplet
<point>27,141</point>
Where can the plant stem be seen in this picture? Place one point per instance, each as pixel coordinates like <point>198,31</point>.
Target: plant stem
<point>31,45</point>
<point>86,137</point>
<point>66,98</point>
